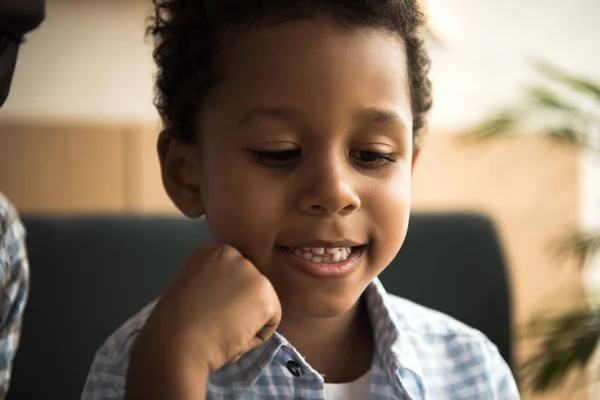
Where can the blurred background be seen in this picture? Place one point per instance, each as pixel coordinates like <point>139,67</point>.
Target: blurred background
<point>77,134</point>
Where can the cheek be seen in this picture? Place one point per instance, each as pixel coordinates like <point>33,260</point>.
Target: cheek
<point>389,213</point>
<point>242,211</point>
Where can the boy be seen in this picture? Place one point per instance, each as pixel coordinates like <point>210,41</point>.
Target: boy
<point>292,127</point>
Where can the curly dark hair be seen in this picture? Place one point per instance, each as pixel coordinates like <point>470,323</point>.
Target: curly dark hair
<point>189,36</point>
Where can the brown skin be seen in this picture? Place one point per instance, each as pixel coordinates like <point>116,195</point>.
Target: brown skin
<point>172,350</point>
<point>331,190</point>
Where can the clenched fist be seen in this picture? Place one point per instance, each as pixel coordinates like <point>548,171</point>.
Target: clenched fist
<point>218,307</point>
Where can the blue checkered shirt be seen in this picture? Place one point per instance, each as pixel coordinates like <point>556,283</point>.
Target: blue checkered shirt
<point>14,274</point>
<point>420,354</point>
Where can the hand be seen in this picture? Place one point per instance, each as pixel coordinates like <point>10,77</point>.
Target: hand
<point>218,307</point>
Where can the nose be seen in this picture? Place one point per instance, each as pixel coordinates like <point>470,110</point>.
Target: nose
<point>329,191</point>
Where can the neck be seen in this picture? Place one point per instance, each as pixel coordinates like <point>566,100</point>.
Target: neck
<point>340,348</point>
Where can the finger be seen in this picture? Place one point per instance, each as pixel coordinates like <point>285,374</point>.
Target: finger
<point>255,343</point>
<point>204,249</point>
<point>261,337</point>
<point>266,332</point>
<point>235,359</point>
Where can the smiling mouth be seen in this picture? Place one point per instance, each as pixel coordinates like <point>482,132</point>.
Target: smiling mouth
<point>323,255</point>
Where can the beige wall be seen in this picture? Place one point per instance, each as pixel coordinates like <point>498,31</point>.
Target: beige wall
<point>56,168</point>
<point>95,50</point>
<point>528,186</point>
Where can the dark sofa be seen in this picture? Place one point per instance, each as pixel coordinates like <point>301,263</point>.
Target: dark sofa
<point>90,273</point>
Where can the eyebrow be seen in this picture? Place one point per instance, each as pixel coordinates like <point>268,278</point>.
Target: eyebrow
<point>381,116</point>
<point>371,115</point>
<point>278,113</point>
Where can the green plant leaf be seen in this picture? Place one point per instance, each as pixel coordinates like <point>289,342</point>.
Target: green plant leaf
<point>546,99</point>
<point>582,245</point>
<point>576,83</point>
<point>569,342</point>
<point>501,124</point>
<point>565,135</point>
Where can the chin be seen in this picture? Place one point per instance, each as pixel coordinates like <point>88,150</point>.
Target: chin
<point>317,306</point>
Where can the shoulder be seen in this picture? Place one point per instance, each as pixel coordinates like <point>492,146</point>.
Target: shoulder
<point>417,319</point>
<point>13,285</point>
<point>109,369</point>
<point>10,225</point>
<point>13,258</point>
<point>6,208</point>
<point>117,348</point>
<point>432,332</point>
<point>452,353</point>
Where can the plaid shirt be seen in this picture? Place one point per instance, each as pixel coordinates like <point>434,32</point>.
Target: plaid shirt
<point>420,354</point>
<point>14,274</point>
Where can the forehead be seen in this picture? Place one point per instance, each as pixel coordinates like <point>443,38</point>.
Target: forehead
<point>316,66</point>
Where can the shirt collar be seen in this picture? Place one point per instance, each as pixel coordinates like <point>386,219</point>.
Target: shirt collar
<point>393,349</point>
<point>389,337</point>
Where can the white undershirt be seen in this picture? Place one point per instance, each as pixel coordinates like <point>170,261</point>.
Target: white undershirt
<point>359,389</point>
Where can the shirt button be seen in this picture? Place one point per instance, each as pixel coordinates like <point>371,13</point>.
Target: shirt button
<point>295,368</point>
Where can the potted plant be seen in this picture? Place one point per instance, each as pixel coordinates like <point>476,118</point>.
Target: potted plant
<point>565,108</point>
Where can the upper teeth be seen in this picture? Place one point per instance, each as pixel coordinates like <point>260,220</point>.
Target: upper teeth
<point>322,254</point>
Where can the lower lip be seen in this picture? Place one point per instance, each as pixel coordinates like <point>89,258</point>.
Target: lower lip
<point>325,270</point>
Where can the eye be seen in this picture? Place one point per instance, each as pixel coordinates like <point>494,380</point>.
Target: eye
<point>277,158</point>
<point>371,159</point>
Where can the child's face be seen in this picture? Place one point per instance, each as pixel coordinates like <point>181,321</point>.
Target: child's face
<point>325,100</point>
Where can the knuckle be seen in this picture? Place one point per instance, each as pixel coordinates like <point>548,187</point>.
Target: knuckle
<point>271,309</point>
<point>198,256</point>
<point>203,250</point>
<point>264,289</point>
<point>229,252</point>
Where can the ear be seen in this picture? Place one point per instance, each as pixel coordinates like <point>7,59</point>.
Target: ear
<point>181,174</point>
<point>415,158</point>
